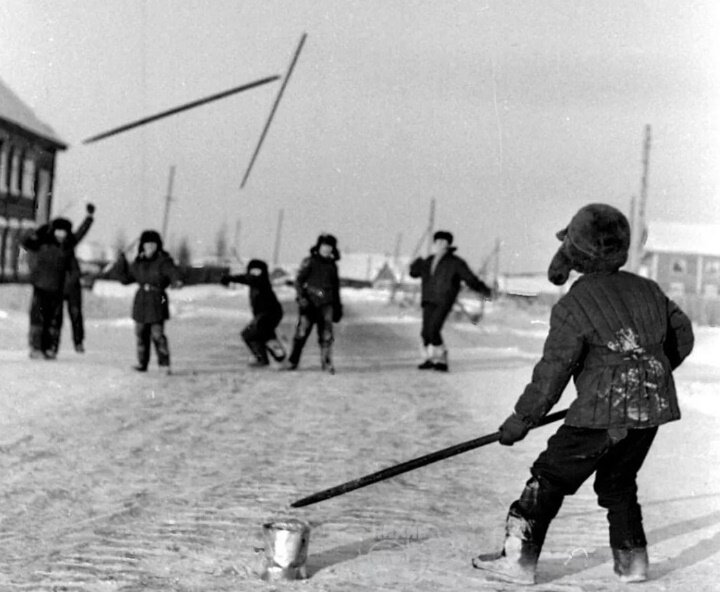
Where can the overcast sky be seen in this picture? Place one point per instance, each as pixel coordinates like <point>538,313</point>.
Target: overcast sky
<point>510,114</point>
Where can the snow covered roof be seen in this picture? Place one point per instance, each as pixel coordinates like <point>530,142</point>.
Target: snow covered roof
<point>674,237</point>
<point>13,110</point>
<point>527,284</point>
<point>367,266</point>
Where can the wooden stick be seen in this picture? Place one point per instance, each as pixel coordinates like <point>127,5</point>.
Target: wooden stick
<point>411,465</point>
<point>272,111</point>
<point>139,122</point>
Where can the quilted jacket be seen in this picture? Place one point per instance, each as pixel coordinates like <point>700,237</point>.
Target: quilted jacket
<point>619,337</point>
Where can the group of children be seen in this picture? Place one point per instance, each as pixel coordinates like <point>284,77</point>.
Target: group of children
<point>616,334</point>
<point>317,287</point>
<point>55,277</point>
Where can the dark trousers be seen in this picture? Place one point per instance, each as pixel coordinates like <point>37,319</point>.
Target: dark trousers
<point>73,297</point>
<point>433,319</point>
<point>145,333</point>
<point>45,320</point>
<point>307,318</point>
<point>258,332</point>
<point>574,454</point>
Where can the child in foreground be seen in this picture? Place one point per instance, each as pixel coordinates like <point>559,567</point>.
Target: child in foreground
<point>619,337</point>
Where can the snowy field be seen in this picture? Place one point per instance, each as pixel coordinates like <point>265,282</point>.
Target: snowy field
<point>118,481</point>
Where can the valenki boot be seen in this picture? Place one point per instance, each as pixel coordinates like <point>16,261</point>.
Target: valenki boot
<point>518,559</point>
<point>428,364</point>
<point>326,362</point>
<point>294,359</point>
<point>275,349</point>
<point>631,565</point>
<point>260,357</point>
<point>440,360</point>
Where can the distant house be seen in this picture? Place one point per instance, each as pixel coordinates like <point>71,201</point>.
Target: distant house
<point>371,269</point>
<point>684,258</point>
<point>27,168</point>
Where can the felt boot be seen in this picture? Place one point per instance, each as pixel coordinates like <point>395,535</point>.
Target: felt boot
<point>259,353</point>
<point>631,565</point>
<point>440,359</point>
<point>276,350</point>
<point>428,363</point>
<point>517,561</point>
<point>326,362</point>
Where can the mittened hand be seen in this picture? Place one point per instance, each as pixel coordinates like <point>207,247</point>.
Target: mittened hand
<point>90,209</point>
<point>225,280</point>
<point>513,430</point>
<point>337,313</point>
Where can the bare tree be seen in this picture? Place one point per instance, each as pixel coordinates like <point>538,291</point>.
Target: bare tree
<point>184,254</point>
<point>120,242</point>
<point>221,245</point>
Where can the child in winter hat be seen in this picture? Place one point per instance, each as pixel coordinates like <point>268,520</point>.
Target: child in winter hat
<point>619,337</point>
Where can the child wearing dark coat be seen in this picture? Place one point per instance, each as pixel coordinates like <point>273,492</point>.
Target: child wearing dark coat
<point>441,275</point>
<point>154,270</point>
<point>72,292</point>
<point>619,337</point>
<point>50,247</point>
<point>318,296</point>
<point>259,334</point>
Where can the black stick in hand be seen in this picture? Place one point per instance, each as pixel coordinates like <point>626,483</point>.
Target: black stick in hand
<point>410,465</point>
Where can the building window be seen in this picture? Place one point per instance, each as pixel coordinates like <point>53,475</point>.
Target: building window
<point>3,166</point>
<point>678,266</point>
<point>712,268</point>
<point>710,291</point>
<point>28,178</point>
<point>676,289</point>
<point>14,183</point>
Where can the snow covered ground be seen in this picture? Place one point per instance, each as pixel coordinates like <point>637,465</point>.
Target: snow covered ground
<point>116,481</point>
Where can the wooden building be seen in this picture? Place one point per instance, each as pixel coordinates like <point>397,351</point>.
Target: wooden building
<point>684,259</point>
<point>27,168</point>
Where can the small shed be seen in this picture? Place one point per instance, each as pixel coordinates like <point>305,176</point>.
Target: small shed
<point>371,269</point>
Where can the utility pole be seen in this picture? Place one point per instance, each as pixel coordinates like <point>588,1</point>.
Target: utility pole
<point>236,240</point>
<point>638,227</point>
<point>168,199</point>
<point>431,226</point>
<point>278,231</point>
<point>398,243</point>
<point>496,266</point>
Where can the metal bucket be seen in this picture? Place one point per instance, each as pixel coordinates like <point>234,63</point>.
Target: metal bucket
<point>286,549</point>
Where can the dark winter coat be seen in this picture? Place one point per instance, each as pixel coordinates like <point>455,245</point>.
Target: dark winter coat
<point>72,277</point>
<point>318,282</point>
<point>153,275</point>
<point>263,300</point>
<point>619,337</point>
<point>442,286</point>
<point>49,261</point>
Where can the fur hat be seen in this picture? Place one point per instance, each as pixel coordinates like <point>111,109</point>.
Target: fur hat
<point>443,235</point>
<point>597,239</point>
<point>62,224</point>
<point>327,239</point>
<point>258,264</point>
<point>150,236</point>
